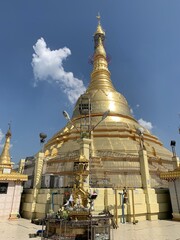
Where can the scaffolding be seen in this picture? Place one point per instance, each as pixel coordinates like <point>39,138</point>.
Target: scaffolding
<point>85,111</point>
<point>90,228</point>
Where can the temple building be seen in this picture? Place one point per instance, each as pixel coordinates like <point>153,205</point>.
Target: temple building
<point>122,156</point>
<point>10,183</point>
<point>173,179</point>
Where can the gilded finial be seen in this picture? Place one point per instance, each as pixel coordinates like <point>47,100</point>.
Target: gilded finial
<point>8,134</point>
<point>99,29</point>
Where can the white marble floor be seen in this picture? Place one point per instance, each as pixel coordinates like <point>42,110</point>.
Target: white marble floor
<point>147,230</point>
<point>17,229</point>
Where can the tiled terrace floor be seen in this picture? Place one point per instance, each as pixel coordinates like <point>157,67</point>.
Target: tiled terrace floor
<point>147,230</point>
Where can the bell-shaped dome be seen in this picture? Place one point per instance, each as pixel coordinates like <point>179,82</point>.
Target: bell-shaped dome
<point>101,92</point>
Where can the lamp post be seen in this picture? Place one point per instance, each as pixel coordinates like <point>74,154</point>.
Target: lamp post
<point>52,200</point>
<point>66,115</point>
<point>140,132</point>
<point>105,114</point>
<point>133,207</point>
<point>173,145</point>
<point>43,137</point>
<point>121,194</point>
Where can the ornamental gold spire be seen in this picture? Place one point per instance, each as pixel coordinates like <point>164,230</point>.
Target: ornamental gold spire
<point>5,159</point>
<point>99,50</point>
<point>101,92</point>
<point>100,76</point>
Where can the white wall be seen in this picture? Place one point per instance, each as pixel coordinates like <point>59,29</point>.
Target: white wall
<point>10,202</point>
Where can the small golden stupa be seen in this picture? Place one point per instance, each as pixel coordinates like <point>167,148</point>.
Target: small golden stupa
<point>10,183</point>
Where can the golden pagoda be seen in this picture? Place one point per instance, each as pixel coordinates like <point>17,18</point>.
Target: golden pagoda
<point>114,151</point>
<point>119,151</point>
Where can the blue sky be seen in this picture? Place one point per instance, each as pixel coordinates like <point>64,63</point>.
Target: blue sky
<point>142,37</point>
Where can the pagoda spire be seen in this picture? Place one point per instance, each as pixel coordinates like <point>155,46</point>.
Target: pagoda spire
<point>99,32</point>
<point>5,159</point>
<point>100,76</point>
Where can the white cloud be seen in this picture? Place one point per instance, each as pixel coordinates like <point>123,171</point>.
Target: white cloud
<point>48,66</point>
<point>145,124</point>
<point>1,137</point>
<point>131,111</point>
